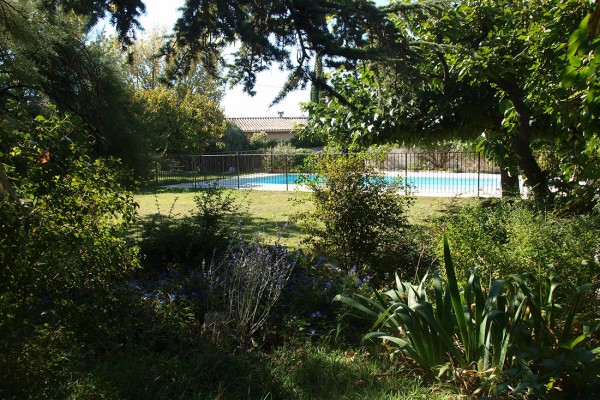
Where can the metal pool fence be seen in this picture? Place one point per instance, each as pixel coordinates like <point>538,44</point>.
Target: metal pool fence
<point>431,173</point>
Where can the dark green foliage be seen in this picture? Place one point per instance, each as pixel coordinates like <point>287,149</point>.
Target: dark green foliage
<point>303,371</point>
<point>284,157</point>
<point>359,218</point>
<point>45,59</point>
<point>307,308</point>
<point>372,110</point>
<point>489,67</point>
<point>63,251</point>
<point>306,141</point>
<point>124,14</point>
<point>169,240</point>
<point>342,31</point>
<point>583,60</point>
<point>234,139</point>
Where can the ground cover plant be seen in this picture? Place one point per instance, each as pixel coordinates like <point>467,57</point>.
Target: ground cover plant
<point>300,371</point>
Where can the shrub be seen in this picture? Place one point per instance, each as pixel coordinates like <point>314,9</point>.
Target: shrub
<point>514,334</point>
<point>260,140</point>
<point>285,157</point>
<point>501,238</point>
<point>359,218</point>
<point>64,249</point>
<point>245,285</point>
<point>234,139</point>
<point>168,240</point>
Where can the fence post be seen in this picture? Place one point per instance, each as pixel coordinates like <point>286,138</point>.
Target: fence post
<point>287,170</point>
<point>194,171</point>
<point>157,165</point>
<point>406,174</point>
<point>237,168</point>
<point>478,172</point>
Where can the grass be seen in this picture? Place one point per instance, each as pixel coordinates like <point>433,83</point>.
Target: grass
<point>267,213</point>
<point>305,371</point>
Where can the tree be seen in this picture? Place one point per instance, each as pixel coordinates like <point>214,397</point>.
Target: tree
<point>44,59</point>
<point>487,67</point>
<point>185,124</point>
<point>580,74</point>
<point>179,115</point>
<point>516,48</point>
<point>64,249</point>
<point>124,14</point>
<point>288,33</point>
<point>146,67</point>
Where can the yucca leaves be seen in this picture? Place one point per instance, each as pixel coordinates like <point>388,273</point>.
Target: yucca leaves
<point>465,322</point>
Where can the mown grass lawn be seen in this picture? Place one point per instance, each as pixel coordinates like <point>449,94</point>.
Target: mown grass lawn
<point>268,213</point>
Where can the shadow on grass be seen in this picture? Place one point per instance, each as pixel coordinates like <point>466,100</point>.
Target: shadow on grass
<point>208,372</point>
<point>270,231</point>
<point>249,226</point>
<point>205,372</point>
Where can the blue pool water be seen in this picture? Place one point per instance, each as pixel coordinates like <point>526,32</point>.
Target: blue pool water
<point>434,183</point>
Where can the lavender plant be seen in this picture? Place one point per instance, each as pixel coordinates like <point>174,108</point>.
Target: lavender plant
<point>246,284</point>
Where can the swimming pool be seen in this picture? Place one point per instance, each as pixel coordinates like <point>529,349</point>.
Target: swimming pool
<point>425,183</point>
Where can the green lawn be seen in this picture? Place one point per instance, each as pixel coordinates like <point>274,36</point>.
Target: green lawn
<point>304,371</point>
<point>267,213</point>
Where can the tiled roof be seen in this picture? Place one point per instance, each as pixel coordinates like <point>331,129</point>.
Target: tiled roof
<point>267,124</point>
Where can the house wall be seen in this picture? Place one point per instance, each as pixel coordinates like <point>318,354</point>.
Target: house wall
<point>277,136</point>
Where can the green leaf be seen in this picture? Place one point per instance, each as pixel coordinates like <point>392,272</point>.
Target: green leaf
<point>569,76</point>
<point>456,300</point>
<point>570,344</point>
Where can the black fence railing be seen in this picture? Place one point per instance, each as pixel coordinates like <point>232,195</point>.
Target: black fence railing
<point>429,173</point>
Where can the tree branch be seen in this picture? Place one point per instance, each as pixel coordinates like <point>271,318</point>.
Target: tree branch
<point>6,188</point>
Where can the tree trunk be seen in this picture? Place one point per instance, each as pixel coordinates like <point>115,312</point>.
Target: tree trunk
<point>521,144</point>
<point>527,162</point>
<point>509,181</point>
